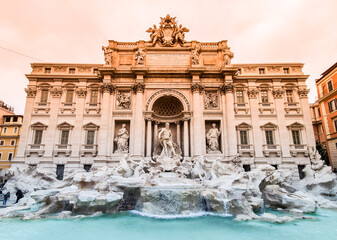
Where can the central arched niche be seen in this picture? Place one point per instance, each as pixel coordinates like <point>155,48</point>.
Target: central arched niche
<point>168,108</point>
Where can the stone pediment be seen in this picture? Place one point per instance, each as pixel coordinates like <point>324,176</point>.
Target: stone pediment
<point>269,126</point>
<point>295,125</point>
<point>65,125</point>
<point>90,125</point>
<point>243,126</point>
<point>38,125</point>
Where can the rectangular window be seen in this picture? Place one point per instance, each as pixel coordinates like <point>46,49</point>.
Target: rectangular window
<point>332,105</point>
<point>261,71</point>
<point>10,156</point>
<point>94,96</point>
<point>289,94</point>
<point>72,70</point>
<point>2,142</point>
<point>286,70</point>
<point>12,142</point>
<point>90,137</point>
<point>44,96</point>
<point>15,129</point>
<point>330,87</point>
<point>296,137</point>
<point>335,123</point>
<point>269,137</point>
<point>243,138</point>
<point>15,119</point>
<point>64,137</point>
<point>69,96</point>
<point>0,156</point>
<point>319,112</point>
<point>47,70</point>
<point>239,97</point>
<point>322,128</point>
<point>264,96</point>
<point>5,130</point>
<point>38,137</point>
<point>7,119</point>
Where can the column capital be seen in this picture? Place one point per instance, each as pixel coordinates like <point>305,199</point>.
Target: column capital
<point>253,92</point>
<point>196,87</point>
<point>81,92</point>
<point>108,87</point>
<point>229,87</point>
<point>278,93</point>
<point>303,92</point>
<point>138,87</point>
<point>31,92</point>
<point>56,92</point>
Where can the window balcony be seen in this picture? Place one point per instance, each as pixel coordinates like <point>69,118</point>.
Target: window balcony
<point>263,107</point>
<point>88,149</point>
<point>299,148</point>
<point>62,148</point>
<point>35,149</point>
<point>271,149</point>
<point>246,149</point>
<point>68,106</point>
<point>238,107</point>
<point>42,106</point>
<point>292,106</point>
<point>92,107</point>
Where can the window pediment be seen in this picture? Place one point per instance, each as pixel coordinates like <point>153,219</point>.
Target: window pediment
<point>269,126</point>
<point>65,125</point>
<point>295,126</point>
<point>243,126</point>
<point>38,125</point>
<point>90,125</point>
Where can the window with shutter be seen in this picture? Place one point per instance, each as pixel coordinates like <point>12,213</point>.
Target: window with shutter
<point>296,137</point>
<point>38,137</point>
<point>243,138</point>
<point>269,137</point>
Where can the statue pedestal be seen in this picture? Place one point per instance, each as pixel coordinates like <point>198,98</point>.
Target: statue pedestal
<point>168,164</point>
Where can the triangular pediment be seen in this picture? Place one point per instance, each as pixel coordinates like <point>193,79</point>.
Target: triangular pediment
<point>90,125</point>
<point>269,125</point>
<point>38,125</point>
<point>65,125</point>
<point>243,125</point>
<point>296,125</point>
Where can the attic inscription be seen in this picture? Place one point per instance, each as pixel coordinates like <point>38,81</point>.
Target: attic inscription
<point>163,59</point>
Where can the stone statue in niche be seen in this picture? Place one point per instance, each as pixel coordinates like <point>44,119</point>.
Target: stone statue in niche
<point>165,137</point>
<point>122,140</point>
<point>228,55</point>
<point>195,55</point>
<point>211,100</point>
<point>139,57</point>
<point>107,55</point>
<point>212,137</point>
<point>123,100</point>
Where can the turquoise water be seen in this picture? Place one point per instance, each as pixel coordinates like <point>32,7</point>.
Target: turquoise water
<point>124,226</point>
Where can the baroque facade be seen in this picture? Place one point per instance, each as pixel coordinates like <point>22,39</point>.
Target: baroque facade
<point>83,115</point>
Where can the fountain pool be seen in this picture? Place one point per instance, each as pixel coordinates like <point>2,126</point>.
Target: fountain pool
<point>132,226</point>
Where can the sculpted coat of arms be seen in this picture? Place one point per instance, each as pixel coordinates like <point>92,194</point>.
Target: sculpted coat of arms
<point>168,33</point>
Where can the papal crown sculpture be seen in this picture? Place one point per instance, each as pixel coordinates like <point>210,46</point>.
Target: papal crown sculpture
<point>166,102</point>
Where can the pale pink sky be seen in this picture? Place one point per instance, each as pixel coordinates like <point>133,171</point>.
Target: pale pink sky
<point>258,31</point>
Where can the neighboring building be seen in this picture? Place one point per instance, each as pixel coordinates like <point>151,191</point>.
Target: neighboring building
<point>316,118</point>
<point>74,112</point>
<point>5,110</point>
<point>10,129</point>
<point>327,103</point>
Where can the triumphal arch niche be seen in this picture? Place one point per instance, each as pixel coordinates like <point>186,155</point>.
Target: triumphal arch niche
<point>166,100</point>
<point>176,85</point>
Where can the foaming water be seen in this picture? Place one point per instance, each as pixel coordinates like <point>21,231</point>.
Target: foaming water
<point>181,216</point>
<point>132,225</point>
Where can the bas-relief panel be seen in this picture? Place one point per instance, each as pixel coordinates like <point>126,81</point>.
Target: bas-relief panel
<point>166,59</point>
<point>209,59</point>
<point>125,59</point>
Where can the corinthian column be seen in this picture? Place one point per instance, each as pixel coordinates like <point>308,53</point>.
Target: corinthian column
<point>228,89</point>
<point>138,88</point>
<point>149,137</point>
<point>198,130</point>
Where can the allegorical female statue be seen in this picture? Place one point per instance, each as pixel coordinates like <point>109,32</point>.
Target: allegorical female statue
<point>212,137</point>
<point>122,140</point>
